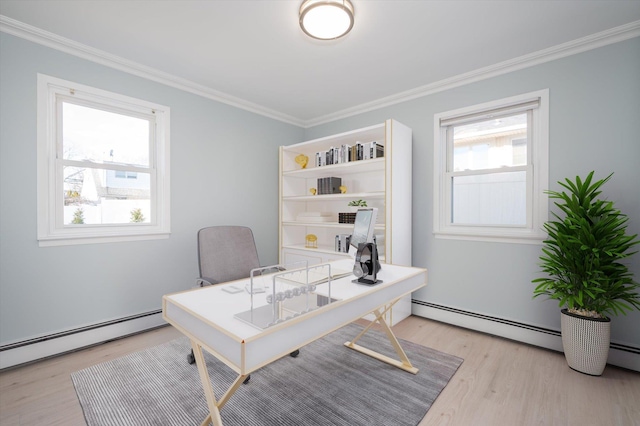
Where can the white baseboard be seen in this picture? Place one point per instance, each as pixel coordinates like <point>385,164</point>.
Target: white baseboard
<point>621,356</point>
<point>46,346</point>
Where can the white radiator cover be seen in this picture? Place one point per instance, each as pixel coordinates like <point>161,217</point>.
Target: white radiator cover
<point>17,353</point>
<point>619,355</point>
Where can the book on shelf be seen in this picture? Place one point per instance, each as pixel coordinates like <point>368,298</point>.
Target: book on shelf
<point>315,217</point>
<point>375,149</point>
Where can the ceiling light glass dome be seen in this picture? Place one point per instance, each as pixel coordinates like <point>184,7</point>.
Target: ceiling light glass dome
<point>326,19</point>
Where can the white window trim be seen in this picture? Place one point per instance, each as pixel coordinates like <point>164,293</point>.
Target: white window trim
<point>50,230</point>
<point>533,233</point>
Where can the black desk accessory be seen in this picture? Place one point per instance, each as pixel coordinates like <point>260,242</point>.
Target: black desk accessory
<point>367,264</point>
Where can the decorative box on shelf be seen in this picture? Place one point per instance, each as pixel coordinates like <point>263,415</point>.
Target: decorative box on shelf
<point>329,185</point>
<point>347,217</point>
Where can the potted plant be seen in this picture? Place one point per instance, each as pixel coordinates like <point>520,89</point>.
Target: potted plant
<point>356,204</point>
<point>582,259</point>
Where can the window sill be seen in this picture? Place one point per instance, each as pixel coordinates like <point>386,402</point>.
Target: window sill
<point>95,239</point>
<point>516,238</point>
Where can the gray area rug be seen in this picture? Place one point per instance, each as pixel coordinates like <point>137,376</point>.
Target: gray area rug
<point>327,384</point>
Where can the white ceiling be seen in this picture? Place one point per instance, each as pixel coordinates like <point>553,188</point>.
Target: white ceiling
<point>254,53</point>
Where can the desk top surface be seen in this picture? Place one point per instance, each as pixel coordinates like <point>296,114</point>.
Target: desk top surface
<point>217,307</point>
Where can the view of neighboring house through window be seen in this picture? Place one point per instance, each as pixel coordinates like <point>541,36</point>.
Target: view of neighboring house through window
<point>105,160</point>
<point>103,165</point>
<point>491,163</point>
<point>488,173</point>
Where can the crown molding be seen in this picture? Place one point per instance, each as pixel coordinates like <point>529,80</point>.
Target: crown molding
<point>594,41</point>
<point>45,38</point>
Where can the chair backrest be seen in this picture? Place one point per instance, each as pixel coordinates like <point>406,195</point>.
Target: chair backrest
<point>226,253</point>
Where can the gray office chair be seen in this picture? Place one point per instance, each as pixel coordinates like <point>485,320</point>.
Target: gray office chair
<point>225,253</point>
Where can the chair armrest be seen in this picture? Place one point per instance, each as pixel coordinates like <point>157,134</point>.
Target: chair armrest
<point>204,281</point>
<point>272,268</point>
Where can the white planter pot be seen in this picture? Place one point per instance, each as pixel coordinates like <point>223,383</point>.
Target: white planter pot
<point>585,342</point>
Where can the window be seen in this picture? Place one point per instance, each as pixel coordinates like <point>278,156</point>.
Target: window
<point>491,170</point>
<point>103,165</point>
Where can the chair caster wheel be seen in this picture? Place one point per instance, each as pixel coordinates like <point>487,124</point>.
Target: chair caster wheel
<point>247,380</point>
<point>191,358</point>
<point>295,353</point>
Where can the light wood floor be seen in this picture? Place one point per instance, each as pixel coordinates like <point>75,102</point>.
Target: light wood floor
<point>499,383</point>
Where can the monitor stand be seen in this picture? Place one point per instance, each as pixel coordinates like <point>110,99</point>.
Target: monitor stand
<point>367,264</point>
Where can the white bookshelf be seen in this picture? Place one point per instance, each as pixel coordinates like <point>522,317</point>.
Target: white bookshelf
<point>384,183</point>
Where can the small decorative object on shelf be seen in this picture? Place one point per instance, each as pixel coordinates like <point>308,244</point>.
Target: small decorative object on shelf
<point>343,189</point>
<point>302,160</point>
<point>357,203</point>
<point>347,217</point>
<point>312,191</point>
<point>329,185</point>
<point>311,241</point>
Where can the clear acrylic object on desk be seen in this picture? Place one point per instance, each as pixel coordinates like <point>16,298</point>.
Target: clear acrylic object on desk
<point>260,278</point>
<point>280,294</point>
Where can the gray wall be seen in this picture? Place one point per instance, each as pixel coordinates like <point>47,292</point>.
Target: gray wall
<point>224,171</point>
<point>594,125</point>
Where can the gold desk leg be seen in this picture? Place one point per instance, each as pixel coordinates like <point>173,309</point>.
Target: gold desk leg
<point>214,406</point>
<point>404,363</point>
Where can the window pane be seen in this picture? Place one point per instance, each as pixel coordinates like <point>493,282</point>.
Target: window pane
<point>491,199</point>
<point>103,137</point>
<point>490,144</point>
<point>102,196</point>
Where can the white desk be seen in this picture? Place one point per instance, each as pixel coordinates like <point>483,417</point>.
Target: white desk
<point>206,316</point>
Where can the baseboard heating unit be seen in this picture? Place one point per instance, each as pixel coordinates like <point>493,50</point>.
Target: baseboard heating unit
<point>620,355</point>
<point>41,347</point>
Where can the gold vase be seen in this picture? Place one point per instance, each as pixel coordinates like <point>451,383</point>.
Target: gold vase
<point>302,160</point>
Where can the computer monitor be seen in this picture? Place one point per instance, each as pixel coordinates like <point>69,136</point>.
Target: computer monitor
<point>363,228</point>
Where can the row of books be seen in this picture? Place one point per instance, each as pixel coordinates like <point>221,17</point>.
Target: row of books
<point>347,153</point>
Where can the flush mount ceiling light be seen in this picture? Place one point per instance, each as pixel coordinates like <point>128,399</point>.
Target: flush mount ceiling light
<point>326,19</point>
